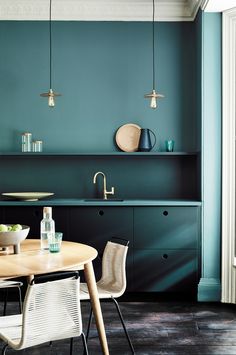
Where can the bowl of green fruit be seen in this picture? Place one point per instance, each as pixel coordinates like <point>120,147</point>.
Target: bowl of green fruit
<point>13,234</point>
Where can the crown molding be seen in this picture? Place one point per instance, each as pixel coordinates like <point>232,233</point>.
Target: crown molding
<point>98,10</point>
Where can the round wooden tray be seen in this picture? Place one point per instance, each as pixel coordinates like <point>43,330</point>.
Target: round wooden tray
<point>127,137</point>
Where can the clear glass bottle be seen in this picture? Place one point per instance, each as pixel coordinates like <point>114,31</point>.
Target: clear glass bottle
<point>47,227</point>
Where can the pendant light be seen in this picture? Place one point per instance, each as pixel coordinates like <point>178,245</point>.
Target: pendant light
<point>50,94</point>
<point>153,96</point>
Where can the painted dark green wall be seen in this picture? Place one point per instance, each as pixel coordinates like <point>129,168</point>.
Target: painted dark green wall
<point>103,69</point>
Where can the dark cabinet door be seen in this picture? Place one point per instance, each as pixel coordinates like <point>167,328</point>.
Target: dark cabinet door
<point>32,216</point>
<point>1,214</point>
<point>166,248</point>
<point>165,270</point>
<point>166,227</point>
<point>97,225</point>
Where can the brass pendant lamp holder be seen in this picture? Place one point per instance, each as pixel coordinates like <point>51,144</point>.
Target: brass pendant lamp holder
<point>153,96</point>
<point>50,94</point>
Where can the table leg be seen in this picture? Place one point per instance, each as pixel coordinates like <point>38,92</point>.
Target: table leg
<point>29,279</point>
<point>92,287</point>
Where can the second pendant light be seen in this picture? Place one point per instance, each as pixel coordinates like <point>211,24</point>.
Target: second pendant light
<point>153,96</point>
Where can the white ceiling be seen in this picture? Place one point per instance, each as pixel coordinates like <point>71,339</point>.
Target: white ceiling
<point>218,5</point>
<point>108,10</point>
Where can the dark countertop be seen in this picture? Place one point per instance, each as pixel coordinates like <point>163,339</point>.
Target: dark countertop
<point>99,202</point>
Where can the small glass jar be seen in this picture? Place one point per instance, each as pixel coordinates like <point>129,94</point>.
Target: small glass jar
<point>26,142</point>
<point>37,146</point>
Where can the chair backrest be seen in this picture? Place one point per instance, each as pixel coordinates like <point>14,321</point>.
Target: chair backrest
<point>114,268</point>
<point>51,312</point>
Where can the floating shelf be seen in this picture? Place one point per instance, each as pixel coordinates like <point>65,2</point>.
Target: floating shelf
<point>133,154</point>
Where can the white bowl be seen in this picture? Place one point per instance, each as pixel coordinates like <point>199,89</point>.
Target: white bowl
<point>14,238</point>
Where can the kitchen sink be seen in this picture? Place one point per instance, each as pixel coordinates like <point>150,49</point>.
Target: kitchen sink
<point>102,200</point>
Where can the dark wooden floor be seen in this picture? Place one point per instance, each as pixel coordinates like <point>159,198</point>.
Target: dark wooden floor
<point>183,328</point>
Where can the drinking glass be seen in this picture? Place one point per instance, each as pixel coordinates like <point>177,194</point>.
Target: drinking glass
<point>54,242</point>
<point>170,145</point>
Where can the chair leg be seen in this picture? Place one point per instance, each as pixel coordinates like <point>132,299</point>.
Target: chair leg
<point>87,332</point>
<point>84,344</point>
<point>123,324</point>
<point>6,298</point>
<point>5,301</point>
<point>20,299</point>
<point>89,323</point>
<point>4,349</point>
<point>71,346</point>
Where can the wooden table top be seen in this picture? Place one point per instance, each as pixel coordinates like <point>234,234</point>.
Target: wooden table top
<point>33,261</point>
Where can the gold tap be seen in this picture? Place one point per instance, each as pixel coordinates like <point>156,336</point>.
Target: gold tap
<point>105,192</point>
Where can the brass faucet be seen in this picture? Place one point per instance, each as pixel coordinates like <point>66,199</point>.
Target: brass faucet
<point>105,192</point>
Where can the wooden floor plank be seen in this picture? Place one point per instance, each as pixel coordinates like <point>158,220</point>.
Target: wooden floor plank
<point>172,328</point>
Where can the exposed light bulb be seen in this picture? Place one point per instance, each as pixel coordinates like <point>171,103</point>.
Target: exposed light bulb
<point>153,96</point>
<point>51,101</point>
<point>51,97</point>
<point>153,103</point>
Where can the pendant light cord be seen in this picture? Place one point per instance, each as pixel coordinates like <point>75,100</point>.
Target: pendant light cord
<point>153,44</point>
<point>50,44</point>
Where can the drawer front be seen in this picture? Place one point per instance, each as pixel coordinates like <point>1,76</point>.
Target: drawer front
<point>165,270</point>
<point>166,227</point>
<point>97,225</point>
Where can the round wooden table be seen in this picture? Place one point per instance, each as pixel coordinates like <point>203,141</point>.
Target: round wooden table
<point>73,256</point>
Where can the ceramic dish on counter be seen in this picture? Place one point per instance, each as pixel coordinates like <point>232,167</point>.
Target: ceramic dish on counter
<point>27,196</point>
<point>127,137</point>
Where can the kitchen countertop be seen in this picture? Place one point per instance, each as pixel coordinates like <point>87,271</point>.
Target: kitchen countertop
<point>99,202</point>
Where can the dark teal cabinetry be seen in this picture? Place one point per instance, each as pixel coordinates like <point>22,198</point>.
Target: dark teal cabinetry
<point>96,225</point>
<point>166,248</point>
<point>32,215</point>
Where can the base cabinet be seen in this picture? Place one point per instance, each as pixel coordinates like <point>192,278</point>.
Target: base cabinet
<point>97,225</point>
<point>166,249</point>
<point>32,216</point>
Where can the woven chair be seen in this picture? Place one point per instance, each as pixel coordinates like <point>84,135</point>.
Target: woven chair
<point>113,280</point>
<point>51,312</point>
<point>8,284</point>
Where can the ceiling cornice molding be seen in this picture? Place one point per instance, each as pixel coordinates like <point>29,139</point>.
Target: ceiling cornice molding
<point>204,4</point>
<point>98,10</point>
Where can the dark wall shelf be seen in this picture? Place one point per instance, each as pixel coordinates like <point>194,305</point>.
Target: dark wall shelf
<point>133,154</point>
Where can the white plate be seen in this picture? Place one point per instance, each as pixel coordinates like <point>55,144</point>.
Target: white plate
<point>127,137</point>
<point>27,196</point>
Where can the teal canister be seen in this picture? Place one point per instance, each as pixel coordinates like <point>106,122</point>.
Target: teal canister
<point>145,142</point>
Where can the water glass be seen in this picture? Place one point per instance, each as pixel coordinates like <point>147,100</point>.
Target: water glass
<point>37,146</point>
<point>54,242</point>
<point>170,145</point>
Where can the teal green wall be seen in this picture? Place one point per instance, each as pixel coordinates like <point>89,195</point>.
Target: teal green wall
<point>103,70</point>
<point>211,27</point>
